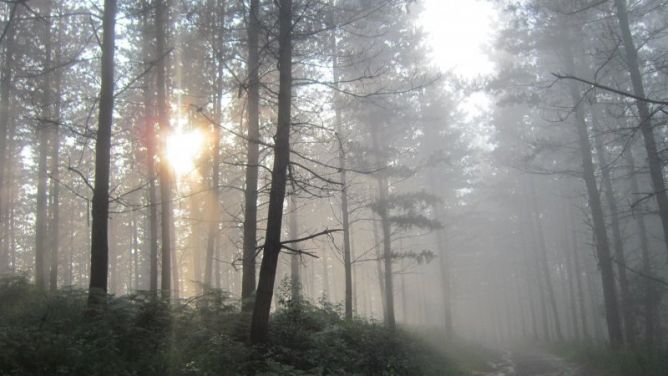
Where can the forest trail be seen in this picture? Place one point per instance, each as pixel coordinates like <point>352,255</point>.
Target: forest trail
<point>532,363</point>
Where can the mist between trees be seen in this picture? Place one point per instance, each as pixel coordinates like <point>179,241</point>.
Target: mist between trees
<point>175,148</point>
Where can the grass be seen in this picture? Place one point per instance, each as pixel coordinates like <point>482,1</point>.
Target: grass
<point>603,360</point>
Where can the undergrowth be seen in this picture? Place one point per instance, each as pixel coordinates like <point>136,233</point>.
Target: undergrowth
<point>600,359</point>
<point>53,333</point>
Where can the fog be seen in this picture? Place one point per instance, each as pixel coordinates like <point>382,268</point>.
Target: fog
<point>487,177</point>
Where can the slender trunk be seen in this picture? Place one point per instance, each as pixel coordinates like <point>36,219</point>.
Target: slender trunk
<point>386,232</point>
<point>214,207</point>
<point>649,293</point>
<point>272,247</point>
<point>161,15</point>
<point>325,280</point>
<point>252,158</point>
<point>653,158</point>
<point>529,291</point>
<point>99,261</point>
<point>353,267</point>
<point>577,270</point>
<point>570,276</point>
<point>626,302</point>
<point>5,95</point>
<point>150,134</point>
<point>176,283</point>
<point>293,229</point>
<point>379,265</point>
<point>219,25</point>
<point>544,263</point>
<point>404,296</point>
<point>347,260</point>
<point>54,192</point>
<point>217,270</point>
<point>41,220</point>
<point>444,273</point>
<point>135,251</point>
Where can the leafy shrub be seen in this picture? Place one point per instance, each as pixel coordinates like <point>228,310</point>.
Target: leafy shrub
<point>53,333</point>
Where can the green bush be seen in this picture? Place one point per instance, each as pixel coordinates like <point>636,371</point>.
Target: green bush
<point>54,333</point>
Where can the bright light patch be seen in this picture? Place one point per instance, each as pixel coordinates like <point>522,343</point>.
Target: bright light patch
<point>460,33</point>
<point>183,149</point>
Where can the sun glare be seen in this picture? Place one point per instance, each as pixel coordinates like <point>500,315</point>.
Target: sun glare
<point>183,149</point>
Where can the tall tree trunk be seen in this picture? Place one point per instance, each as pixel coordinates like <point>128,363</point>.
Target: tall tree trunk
<point>386,232</point>
<point>570,276</point>
<point>379,265</point>
<point>213,210</point>
<point>99,261</point>
<point>626,302</point>
<point>293,229</point>
<point>272,247</point>
<point>218,24</point>
<point>54,191</point>
<point>544,263</point>
<point>345,214</point>
<point>135,251</point>
<point>579,285</point>
<point>594,199</point>
<point>252,160</point>
<point>161,15</point>
<point>446,284</point>
<point>528,276</point>
<point>534,270</point>
<point>150,135</point>
<point>41,220</point>
<point>6,88</point>
<point>649,293</point>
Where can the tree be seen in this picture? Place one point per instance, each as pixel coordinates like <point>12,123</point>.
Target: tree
<point>252,158</point>
<point>6,90</point>
<point>41,221</point>
<point>653,158</point>
<point>272,246</point>
<point>99,235</point>
<point>161,15</point>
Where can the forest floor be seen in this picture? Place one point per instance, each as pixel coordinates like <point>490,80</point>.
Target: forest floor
<point>535,363</point>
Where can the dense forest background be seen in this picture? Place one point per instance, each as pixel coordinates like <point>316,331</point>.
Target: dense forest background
<point>247,160</point>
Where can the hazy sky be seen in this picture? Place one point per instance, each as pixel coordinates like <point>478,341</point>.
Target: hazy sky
<point>460,31</point>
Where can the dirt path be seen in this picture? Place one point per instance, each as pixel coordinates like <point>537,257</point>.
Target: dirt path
<point>532,363</point>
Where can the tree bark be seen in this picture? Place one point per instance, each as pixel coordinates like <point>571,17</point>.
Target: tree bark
<point>252,159</point>
<point>41,220</point>
<point>99,235</point>
<point>272,247</point>
<point>161,14</point>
